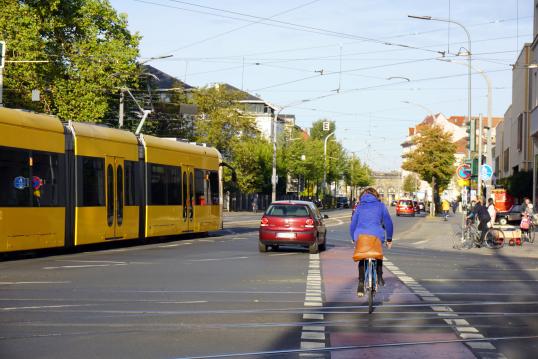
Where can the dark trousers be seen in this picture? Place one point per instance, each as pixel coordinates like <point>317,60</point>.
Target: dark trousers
<point>379,269</point>
<point>483,227</point>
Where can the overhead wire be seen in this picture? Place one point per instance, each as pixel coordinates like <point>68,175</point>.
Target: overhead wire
<point>276,23</point>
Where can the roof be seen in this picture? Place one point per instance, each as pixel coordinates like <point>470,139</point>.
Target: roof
<point>165,81</point>
<point>248,97</point>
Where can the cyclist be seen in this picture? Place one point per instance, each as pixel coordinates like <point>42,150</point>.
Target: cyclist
<point>371,218</point>
<point>481,213</point>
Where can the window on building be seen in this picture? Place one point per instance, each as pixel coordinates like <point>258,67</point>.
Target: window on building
<point>506,160</point>
<point>91,181</point>
<point>520,132</point>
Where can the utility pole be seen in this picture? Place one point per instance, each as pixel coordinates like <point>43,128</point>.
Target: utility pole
<point>2,61</point>
<point>479,178</point>
<point>122,99</point>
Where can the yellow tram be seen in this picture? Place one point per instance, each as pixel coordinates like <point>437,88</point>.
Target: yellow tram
<point>73,184</point>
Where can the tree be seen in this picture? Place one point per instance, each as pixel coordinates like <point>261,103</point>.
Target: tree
<point>89,50</point>
<point>519,184</point>
<point>357,174</point>
<point>432,157</point>
<point>252,160</point>
<point>410,183</point>
<point>221,120</point>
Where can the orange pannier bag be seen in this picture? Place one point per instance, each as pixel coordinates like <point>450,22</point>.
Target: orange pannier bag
<point>367,246</point>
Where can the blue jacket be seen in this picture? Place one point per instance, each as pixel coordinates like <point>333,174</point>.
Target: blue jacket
<point>369,218</point>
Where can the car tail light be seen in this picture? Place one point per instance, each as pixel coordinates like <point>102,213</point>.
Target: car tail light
<point>309,223</point>
<point>264,222</point>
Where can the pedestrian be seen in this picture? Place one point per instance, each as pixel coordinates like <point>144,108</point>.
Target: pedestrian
<point>492,212</point>
<point>454,206</point>
<point>527,206</point>
<point>255,203</point>
<point>445,207</point>
<point>371,225</point>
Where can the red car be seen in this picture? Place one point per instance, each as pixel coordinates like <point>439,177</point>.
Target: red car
<point>405,207</point>
<point>293,223</point>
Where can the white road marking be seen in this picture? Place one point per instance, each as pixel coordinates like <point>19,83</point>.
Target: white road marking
<point>313,336</point>
<point>282,254</point>
<point>216,259</point>
<point>186,302</point>
<point>19,283</point>
<point>460,326</point>
<point>169,245</point>
<point>43,307</point>
<point>85,266</point>
<point>422,242</point>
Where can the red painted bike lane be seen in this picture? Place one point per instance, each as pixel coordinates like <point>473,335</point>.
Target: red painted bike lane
<point>400,317</point>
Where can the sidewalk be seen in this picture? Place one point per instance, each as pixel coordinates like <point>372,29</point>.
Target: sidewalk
<point>435,233</point>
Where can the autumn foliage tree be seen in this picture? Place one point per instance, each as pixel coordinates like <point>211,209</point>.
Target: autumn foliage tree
<point>432,157</point>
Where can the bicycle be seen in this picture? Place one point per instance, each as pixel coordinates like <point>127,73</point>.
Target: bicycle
<point>470,237</point>
<point>531,232</point>
<point>370,282</point>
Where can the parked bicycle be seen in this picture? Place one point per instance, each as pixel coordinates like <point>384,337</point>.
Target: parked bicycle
<point>469,237</point>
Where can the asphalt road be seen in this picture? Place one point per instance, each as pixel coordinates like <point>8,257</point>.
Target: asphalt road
<point>219,297</point>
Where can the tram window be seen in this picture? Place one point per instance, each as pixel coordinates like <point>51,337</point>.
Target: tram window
<point>31,178</point>
<point>110,194</point>
<point>165,185</point>
<point>214,187</point>
<point>157,185</point>
<point>91,181</point>
<point>200,188</point>
<point>131,170</point>
<point>14,173</point>
<point>47,182</point>
<point>174,185</point>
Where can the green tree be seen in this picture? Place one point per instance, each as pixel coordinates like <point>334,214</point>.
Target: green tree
<point>221,120</point>
<point>252,160</point>
<point>432,157</point>
<point>410,183</point>
<point>89,50</point>
<point>519,185</point>
<point>317,133</point>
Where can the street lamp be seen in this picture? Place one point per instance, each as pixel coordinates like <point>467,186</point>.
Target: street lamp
<point>422,107</point>
<point>325,162</point>
<point>468,55</point>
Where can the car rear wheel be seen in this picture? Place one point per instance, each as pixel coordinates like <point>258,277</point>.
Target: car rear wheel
<point>503,221</point>
<point>274,247</point>
<point>313,248</point>
<point>262,247</point>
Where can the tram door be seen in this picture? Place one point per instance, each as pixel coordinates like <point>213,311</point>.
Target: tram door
<point>187,181</point>
<point>114,197</point>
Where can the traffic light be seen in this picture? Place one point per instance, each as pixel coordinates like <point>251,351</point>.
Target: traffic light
<point>2,54</point>
<point>471,130</point>
<point>474,167</point>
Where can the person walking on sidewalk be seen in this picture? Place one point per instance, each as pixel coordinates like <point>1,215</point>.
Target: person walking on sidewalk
<point>492,212</point>
<point>371,218</point>
<point>445,206</point>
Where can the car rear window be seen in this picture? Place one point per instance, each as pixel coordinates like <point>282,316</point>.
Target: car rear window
<point>405,203</point>
<point>285,210</point>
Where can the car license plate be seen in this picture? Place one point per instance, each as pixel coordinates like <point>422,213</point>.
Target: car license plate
<point>287,235</point>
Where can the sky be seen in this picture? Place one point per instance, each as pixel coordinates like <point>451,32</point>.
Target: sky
<point>361,63</point>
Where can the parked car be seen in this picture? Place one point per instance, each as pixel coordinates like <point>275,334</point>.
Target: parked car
<point>293,223</point>
<point>514,215</point>
<point>342,202</point>
<point>405,207</point>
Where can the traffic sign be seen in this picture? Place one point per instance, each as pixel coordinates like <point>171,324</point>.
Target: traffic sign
<point>464,171</point>
<point>486,171</point>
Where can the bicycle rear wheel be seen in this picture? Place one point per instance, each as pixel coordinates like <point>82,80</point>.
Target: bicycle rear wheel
<point>494,238</point>
<point>532,233</point>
